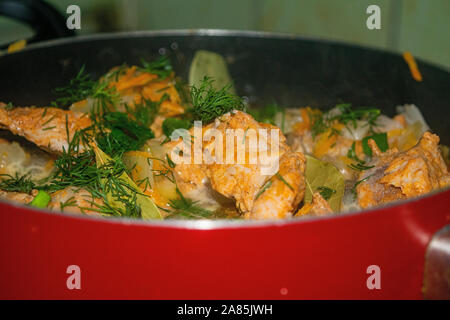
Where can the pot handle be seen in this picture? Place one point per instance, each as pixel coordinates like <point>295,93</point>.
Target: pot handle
<point>47,22</point>
<point>436,280</point>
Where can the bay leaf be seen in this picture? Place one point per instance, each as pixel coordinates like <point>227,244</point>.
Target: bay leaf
<point>323,174</point>
<point>212,65</point>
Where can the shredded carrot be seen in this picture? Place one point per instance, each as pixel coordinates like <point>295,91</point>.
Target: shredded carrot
<point>412,66</point>
<point>305,124</point>
<point>16,46</point>
<point>325,143</point>
<point>139,80</point>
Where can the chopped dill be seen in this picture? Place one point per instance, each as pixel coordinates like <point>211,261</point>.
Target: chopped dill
<point>71,202</point>
<point>279,176</point>
<point>171,124</point>
<point>321,122</point>
<point>352,154</point>
<point>263,189</point>
<point>267,113</point>
<point>170,162</point>
<point>381,141</point>
<point>183,90</point>
<point>162,67</point>
<point>209,103</point>
<point>17,183</point>
<point>79,88</point>
<point>359,167</point>
<point>187,208</point>
<point>118,134</point>
<point>49,120</point>
<point>9,106</point>
<point>326,192</point>
<point>359,182</point>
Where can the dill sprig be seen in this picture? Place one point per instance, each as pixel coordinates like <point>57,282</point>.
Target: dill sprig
<point>263,189</point>
<point>162,67</point>
<point>186,208</point>
<point>322,122</point>
<point>351,154</point>
<point>171,124</point>
<point>117,133</point>
<point>349,115</point>
<point>359,167</point>
<point>79,88</point>
<point>209,103</point>
<point>17,183</point>
<point>359,182</point>
<point>267,113</point>
<point>279,176</point>
<point>82,86</point>
<point>326,192</point>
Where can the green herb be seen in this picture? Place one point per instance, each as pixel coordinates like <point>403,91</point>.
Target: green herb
<point>117,72</point>
<point>279,176</point>
<point>71,202</point>
<point>49,120</point>
<point>144,113</point>
<point>9,106</point>
<point>22,184</point>
<point>263,189</point>
<point>347,116</point>
<point>183,90</point>
<point>352,154</point>
<point>124,134</point>
<point>120,193</point>
<point>359,167</point>
<point>41,200</point>
<point>186,208</point>
<point>209,103</point>
<point>267,113</point>
<point>170,162</point>
<point>359,182</point>
<point>171,124</point>
<point>326,192</point>
<point>381,141</point>
<point>48,128</point>
<point>79,88</point>
<point>162,67</point>
<point>319,124</point>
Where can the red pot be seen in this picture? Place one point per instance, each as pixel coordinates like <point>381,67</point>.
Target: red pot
<point>315,258</point>
<point>324,258</point>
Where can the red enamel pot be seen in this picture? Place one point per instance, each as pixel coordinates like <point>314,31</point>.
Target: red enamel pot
<point>373,254</point>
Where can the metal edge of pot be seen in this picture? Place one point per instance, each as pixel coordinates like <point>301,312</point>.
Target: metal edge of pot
<point>214,224</point>
<point>212,33</point>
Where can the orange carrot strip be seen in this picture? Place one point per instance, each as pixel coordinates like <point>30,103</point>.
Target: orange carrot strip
<point>412,66</point>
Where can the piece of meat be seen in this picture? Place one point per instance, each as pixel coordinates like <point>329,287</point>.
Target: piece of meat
<point>136,84</point>
<point>75,200</point>
<point>45,127</point>
<point>401,175</point>
<point>71,200</point>
<point>286,190</point>
<point>318,207</point>
<point>242,179</point>
<point>19,197</point>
